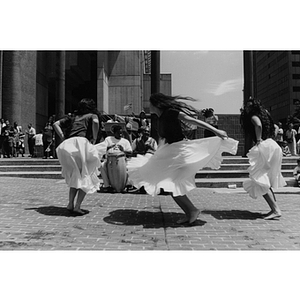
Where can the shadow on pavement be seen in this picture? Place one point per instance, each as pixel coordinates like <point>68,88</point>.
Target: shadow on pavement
<point>56,211</point>
<point>147,219</point>
<point>233,214</point>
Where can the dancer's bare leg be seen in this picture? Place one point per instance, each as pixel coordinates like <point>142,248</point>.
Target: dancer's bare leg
<point>80,197</point>
<point>72,195</point>
<point>191,212</point>
<point>275,210</point>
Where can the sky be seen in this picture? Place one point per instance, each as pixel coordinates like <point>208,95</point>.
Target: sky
<point>214,78</point>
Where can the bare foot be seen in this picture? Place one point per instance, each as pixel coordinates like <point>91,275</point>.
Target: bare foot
<point>273,215</point>
<point>78,211</point>
<point>183,220</point>
<point>194,215</point>
<point>70,207</point>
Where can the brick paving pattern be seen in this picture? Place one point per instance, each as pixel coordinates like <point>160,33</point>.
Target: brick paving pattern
<point>33,217</point>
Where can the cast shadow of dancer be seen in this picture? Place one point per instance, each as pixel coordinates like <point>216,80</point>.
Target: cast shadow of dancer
<point>234,214</point>
<point>147,219</point>
<point>56,211</point>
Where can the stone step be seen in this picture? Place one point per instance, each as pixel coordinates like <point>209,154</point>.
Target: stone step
<point>31,168</point>
<point>233,173</point>
<point>200,182</point>
<point>27,161</point>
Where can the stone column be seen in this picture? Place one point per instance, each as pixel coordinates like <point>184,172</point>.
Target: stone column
<point>11,86</point>
<point>1,68</point>
<point>155,88</point>
<point>60,83</point>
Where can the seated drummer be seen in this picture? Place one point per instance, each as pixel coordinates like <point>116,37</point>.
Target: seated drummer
<point>118,143</point>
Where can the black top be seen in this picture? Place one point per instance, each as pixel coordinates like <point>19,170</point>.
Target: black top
<point>81,127</point>
<point>169,126</point>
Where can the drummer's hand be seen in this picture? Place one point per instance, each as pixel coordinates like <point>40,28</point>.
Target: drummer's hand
<point>121,148</point>
<point>222,134</point>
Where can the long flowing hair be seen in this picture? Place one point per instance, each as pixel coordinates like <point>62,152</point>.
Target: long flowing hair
<point>257,109</point>
<point>164,102</point>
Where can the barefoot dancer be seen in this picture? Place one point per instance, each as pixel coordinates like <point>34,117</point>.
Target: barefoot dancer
<point>176,161</point>
<point>265,156</point>
<point>77,154</point>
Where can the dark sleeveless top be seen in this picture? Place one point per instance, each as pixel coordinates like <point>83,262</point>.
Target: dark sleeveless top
<point>81,127</point>
<point>169,126</point>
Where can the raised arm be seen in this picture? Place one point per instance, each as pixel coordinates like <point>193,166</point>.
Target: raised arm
<point>258,128</point>
<point>95,128</point>
<point>58,130</point>
<point>220,133</point>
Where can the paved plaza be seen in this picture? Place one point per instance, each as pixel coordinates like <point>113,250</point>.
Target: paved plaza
<point>33,217</point>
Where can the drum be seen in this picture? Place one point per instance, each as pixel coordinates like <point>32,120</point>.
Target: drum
<point>116,170</point>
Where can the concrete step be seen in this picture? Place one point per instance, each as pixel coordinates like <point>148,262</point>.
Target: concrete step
<point>232,173</point>
<point>232,182</point>
<point>27,168</point>
<point>27,161</point>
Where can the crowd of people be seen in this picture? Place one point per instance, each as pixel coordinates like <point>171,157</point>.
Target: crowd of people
<point>13,138</point>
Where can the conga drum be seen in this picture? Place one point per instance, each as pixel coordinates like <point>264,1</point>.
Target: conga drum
<point>116,170</point>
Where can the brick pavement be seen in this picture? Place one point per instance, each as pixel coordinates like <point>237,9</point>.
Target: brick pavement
<point>33,217</point>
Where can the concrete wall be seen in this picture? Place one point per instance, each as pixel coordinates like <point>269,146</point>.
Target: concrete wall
<point>125,81</point>
<point>231,124</point>
<point>165,88</point>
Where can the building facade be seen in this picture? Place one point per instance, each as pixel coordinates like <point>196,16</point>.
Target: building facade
<point>37,84</point>
<point>276,81</point>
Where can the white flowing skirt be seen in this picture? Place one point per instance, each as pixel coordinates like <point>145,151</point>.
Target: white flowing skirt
<point>173,167</point>
<point>265,169</point>
<point>80,161</point>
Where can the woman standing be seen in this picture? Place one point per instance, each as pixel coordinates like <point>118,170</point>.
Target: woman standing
<point>291,138</point>
<point>175,163</point>
<point>77,154</point>
<point>265,156</point>
<point>48,138</point>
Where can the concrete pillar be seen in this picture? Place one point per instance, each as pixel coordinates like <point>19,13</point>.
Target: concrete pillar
<point>60,83</point>
<point>11,86</point>
<point>155,88</point>
<point>1,77</point>
<point>248,91</point>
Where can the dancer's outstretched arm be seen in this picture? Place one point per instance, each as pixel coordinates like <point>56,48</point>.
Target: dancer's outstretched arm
<point>220,133</point>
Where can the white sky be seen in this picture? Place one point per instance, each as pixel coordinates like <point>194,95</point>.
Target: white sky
<point>215,78</point>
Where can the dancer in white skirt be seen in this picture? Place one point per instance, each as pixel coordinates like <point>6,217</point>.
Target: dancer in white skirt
<point>175,163</point>
<point>79,158</point>
<point>265,157</point>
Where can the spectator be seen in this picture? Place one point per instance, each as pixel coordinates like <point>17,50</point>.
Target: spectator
<point>2,126</point>
<point>211,119</point>
<point>9,138</point>
<point>31,139</point>
<point>17,130</point>
<point>285,149</point>
<point>279,134</point>
<point>22,143</point>
<point>144,143</point>
<point>291,138</point>
<point>38,145</point>
<point>48,138</point>
<point>128,129</point>
<point>296,172</point>
<point>141,120</point>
